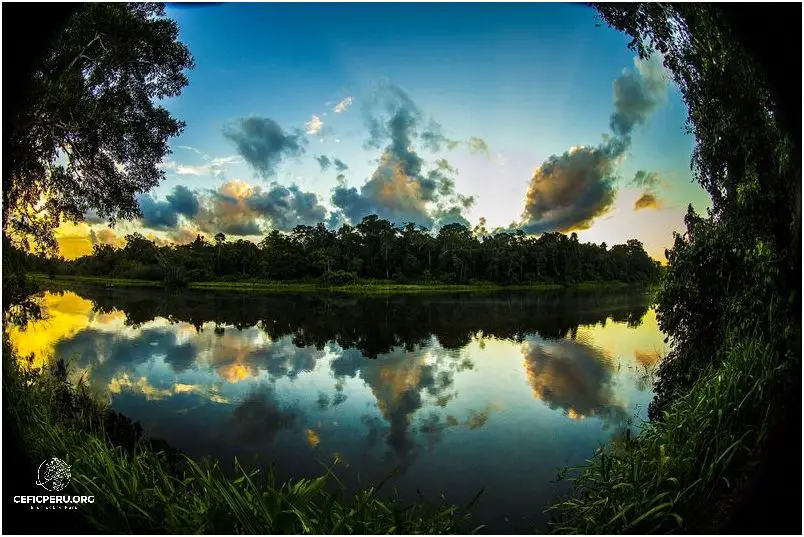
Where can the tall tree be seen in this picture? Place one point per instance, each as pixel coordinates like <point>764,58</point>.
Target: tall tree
<point>738,268</point>
<point>89,135</point>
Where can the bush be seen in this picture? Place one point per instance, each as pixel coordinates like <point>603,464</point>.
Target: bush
<point>137,271</point>
<point>199,275</point>
<point>447,277</point>
<point>339,277</point>
<point>175,277</point>
<point>665,479</point>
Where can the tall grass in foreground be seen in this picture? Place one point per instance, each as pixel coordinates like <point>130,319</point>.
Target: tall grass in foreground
<point>139,491</point>
<point>664,478</point>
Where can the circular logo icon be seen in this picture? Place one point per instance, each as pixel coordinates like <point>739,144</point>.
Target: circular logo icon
<point>53,474</point>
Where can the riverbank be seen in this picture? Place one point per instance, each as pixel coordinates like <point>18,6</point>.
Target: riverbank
<point>366,287</point>
<point>144,486</point>
<point>692,471</point>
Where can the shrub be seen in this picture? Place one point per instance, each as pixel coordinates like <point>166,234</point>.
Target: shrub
<point>339,277</point>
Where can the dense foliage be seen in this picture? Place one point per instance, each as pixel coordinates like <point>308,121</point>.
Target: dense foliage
<point>724,439</point>
<point>90,137</point>
<point>375,248</point>
<point>742,261</point>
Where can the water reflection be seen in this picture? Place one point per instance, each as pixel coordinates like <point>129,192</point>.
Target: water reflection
<point>259,417</point>
<point>574,377</point>
<point>427,385</point>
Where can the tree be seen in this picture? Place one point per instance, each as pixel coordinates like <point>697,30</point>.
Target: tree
<point>89,137</point>
<point>738,269</point>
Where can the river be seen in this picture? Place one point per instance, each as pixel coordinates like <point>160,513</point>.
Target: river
<point>450,393</point>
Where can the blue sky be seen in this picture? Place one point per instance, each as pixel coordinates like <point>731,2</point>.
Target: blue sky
<point>529,80</point>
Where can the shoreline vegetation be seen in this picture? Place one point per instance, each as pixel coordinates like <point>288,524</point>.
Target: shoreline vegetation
<point>683,473</point>
<point>359,287</point>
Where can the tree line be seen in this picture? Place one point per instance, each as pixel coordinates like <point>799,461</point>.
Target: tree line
<point>373,249</point>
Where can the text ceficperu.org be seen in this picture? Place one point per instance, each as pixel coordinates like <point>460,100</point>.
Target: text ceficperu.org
<point>54,499</point>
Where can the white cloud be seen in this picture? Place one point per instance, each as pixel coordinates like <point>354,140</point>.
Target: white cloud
<point>223,161</point>
<point>343,105</point>
<point>314,125</point>
<point>215,166</point>
<point>193,149</point>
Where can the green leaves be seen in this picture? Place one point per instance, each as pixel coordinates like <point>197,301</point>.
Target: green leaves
<point>91,136</point>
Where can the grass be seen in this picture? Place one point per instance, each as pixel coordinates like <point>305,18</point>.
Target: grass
<point>368,287</point>
<point>600,285</point>
<point>667,477</point>
<point>110,282</point>
<point>362,287</point>
<point>138,490</point>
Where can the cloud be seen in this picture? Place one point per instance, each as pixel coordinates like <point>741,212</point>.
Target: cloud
<point>340,165</point>
<point>235,208</point>
<point>648,181</point>
<point>287,207</point>
<point>191,149</point>
<point>184,235</point>
<point>314,125</point>
<point>90,345</point>
<point>106,236</point>
<point>645,179</point>
<point>646,201</point>
<point>343,105</point>
<point>477,145</point>
<point>215,167</point>
<point>263,143</point>
<point>399,189</point>
<point>324,162</point>
<point>226,210</point>
<point>568,191</point>
<point>433,138</point>
<point>451,215</point>
<point>637,94</point>
<point>163,215</point>
<point>216,170</point>
<point>573,377</point>
<point>389,193</point>
<point>183,201</point>
<point>157,214</point>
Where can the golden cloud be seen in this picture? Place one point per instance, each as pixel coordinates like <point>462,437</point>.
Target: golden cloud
<point>646,201</point>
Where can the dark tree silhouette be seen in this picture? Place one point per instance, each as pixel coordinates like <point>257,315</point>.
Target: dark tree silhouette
<point>88,136</point>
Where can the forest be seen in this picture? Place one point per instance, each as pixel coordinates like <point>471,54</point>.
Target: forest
<point>375,249</point>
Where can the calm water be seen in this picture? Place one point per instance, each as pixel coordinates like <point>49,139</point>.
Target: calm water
<point>456,392</point>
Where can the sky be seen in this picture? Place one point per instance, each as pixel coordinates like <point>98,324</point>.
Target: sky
<point>529,116</point>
